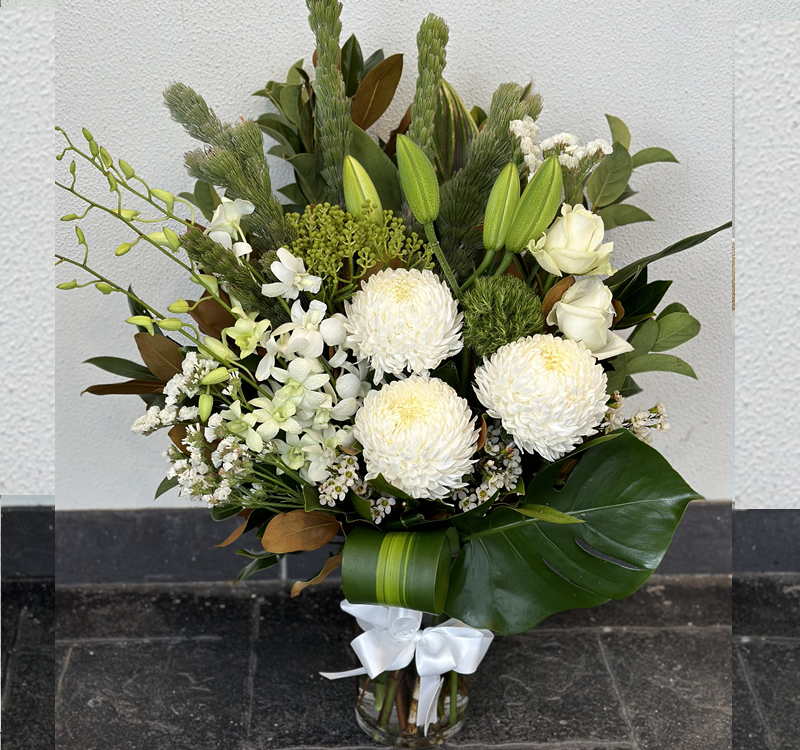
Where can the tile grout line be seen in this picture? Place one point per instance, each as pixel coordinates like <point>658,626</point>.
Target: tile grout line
<point>756,702</point>
<point>61,677</point>
<point>623,706</point>
<point>255,629</point>
<point>115,641</point>
<point>11,652</point>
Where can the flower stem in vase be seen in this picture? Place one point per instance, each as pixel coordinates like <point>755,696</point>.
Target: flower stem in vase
<point>453,698</point>
<point>412,710</point>
<point>389,698</point>
<point>402,705</point>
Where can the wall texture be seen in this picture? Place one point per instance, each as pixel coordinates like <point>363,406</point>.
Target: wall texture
<point>767,170</point>
<point>665,70</point>
<point>27,316</point>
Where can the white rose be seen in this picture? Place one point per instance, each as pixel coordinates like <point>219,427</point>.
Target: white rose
<point>573,245</point>
<point>585,313</point>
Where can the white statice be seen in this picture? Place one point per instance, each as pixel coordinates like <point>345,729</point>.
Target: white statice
<point>186,384</point>
<point>419,434</point>
<point>549,393</point>
<point>641,424</point>
<point>149,422</point>
<point>571,155</point>
<point>292,277</point>
<point>403,319</point>
<point>527,131</point>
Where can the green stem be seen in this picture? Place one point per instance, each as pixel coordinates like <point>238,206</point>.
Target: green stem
<point>388,702</point>
<point>430,233</point>
<point>505,262</point>
<point>464,379</point>
<point>479,271</point>
<point>453,698</point>
<point>548,283</point>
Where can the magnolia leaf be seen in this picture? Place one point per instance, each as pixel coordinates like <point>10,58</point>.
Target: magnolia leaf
<point>127,388</point>
<point>259,563</point>
<point>331,564</point>
<point>206,198</point>
<point>547,514</point>
<point>210,316</point>
<point>482,435</point>
<point>167,483</point>
<point>391,145</point>
<point>177,435</point>
<point>643,302</point>
<point>619,131</point>
<point>383,487</point>
<point>352,64</point>
<point>618,215</point>
<point>555,293</point>
<point>376,91</point>
<point>297,530</point>
<point>222,512</point>
<point>659,363</point>
<point>610,177</point>
<point>290,102</point>
<point>162,356</point>
<point>239,530</point>
<point>122,367</point>
<point>675,329</point>
<point>651,155</point>
<point>376,57</point>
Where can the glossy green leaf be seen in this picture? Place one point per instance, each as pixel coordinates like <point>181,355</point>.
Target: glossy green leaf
<point>296,74</point>
<point>619,131</point>
<point>261,563</point>
<point>547,514</point>
<point>643,302</point>
<point>448,372</point>
<point>383,487</point>
<point>619,214</point>
<point>659,363</point>
<point>378,166</point>
<point>122,367</point>
<point>222,512</point>
<point>352,65</point>
<point>650,156</point>
<point>375,58</point>
<point>675,329</point>
<point>479,116</point>
<point>307,135</point>
<point>610,178</point>
<point>514,572</point>
<point>167,483</point>
<point>206,198</point>
<point>628,192</point>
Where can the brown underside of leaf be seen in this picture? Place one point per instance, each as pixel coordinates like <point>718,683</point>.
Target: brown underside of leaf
<point>127,388</point>
<point>376,91</point>
<point>162,356</point>
<point>482,436</point>
<point>210,316</point>
<point>239,530</point>
<point>619,311</point>
<point>177,435</point>
<point>330,565</point>
<point>555,293</point>
<point>401,129</point>
<point>297,531</point>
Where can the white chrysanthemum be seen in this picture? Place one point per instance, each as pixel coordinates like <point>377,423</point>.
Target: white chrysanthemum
<point>549,392</point>
<point>403,319</point>
<point>419,434</point>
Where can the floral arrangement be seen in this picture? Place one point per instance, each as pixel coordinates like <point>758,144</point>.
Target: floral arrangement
<point>421,354</point>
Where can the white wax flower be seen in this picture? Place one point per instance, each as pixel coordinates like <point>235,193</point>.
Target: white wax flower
<point>585,313</point>
<point>548,392</point>
<point>419,434</point>
<point>574,244</point>
<point>225,224</point>
<point>292,277</point>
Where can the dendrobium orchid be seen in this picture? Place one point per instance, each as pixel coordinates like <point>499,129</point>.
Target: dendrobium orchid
<point>292,277</point>
<point>226,225</point>
<point>246,333</point>
<point>310,331</point>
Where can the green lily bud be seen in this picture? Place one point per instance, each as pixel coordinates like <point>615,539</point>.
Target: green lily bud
<point>127,169</point>
<point>122,249</point>
<point>220,375</point>
<point>537,206</point>
<point>68,284</point>
<point>106,157</point>
<point>172,239</point>
<point>164,196</point>
<point>171,324</point>
<point>418,180</point>
<point>500,208</point>
<point>358,189</point>
<point>179,307</point>
<point>69,217</point>
<point>204,405</point>
<point>101,286</point>
<point>94,148</point>
<point>144,321</point>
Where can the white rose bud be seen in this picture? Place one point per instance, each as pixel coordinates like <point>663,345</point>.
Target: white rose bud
<point>574,244</point>
<point>585,313</point>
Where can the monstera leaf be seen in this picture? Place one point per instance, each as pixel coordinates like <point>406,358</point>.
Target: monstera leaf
<point>514,571</point>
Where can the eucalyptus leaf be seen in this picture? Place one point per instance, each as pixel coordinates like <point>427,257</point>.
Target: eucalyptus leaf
<point>675,329</point>
<point>644,337</point>
<point>610,177</point>
<point>650,156</point>
<point>675,307</point>
<point>618,215</point>
<point>619,131</point>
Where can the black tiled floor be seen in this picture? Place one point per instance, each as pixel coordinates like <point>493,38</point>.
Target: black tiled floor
<point>204,667</point>
<point>766,649</point>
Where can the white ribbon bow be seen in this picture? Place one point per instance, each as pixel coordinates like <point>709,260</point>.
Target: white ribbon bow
<point>392,637</point>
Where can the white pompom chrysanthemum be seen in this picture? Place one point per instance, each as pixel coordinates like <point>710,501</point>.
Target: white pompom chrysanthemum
<point>403,319</point>
<point>419,434</point>
<point>549,392</point>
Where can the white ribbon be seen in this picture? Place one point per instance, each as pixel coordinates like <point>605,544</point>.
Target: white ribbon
<point>392,638</point>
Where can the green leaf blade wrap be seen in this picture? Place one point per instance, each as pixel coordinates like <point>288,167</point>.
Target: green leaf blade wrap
<point>398,568</point>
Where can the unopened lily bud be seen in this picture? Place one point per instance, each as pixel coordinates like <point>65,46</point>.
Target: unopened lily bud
<point>69,217</point>
<point>208,282</point>
<point>172,239</point>
<point>500,208</point>
<point>122,249</point>
<point>358,189</point>
<point>68,284</point>
<point>204,405</point>
<point>537,206</point>
<point>80,235</point>
<point>94,148</point>
<point>126,213</point>
<point>127,169</point>
<point>164,196</point>
<point>87,135</point>
<point>220,375</point>
<point>101,286</point>
<point>171,324</point>
<point>106,157</point>
<point>418,180</point>
<point>179,307</point>
<point>142,320</point>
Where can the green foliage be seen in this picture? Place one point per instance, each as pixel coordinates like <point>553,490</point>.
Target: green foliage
<point>513,572</point>
<point>463,199</point>
<point>499,310</point>
<point>234,161</point>
<point>214,258</point>
<point>431,43</point>
<point>454,129</point>
<point>340,248</point>
<point>610,178</point>
<point>332,104</point>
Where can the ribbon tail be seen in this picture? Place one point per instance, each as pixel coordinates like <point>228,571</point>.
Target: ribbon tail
<point>347,673</point>
<point>429,688</point>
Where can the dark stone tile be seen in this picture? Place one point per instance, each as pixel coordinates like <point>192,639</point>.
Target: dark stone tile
<point>187,695</point>
<point>766,541</point>
<point>544,688</point>
<point>749,732</point>
<point>154,611</point>
<point>676,686</point>
<point>28,549</point>
<point>766,604</point>
<point>773,669</point>
<point>702,541</point>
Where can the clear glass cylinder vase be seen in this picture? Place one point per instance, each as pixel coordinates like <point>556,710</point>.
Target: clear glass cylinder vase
<point>387,708</point>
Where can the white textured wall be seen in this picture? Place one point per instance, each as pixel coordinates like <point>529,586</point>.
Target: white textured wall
<point>767,301</point>
<point>666,70</point>
<point>27,317</point>
<point>8,501</point>
<point>746,11</point>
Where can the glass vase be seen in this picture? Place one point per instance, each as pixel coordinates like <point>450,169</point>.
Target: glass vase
<point>386,708</point>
